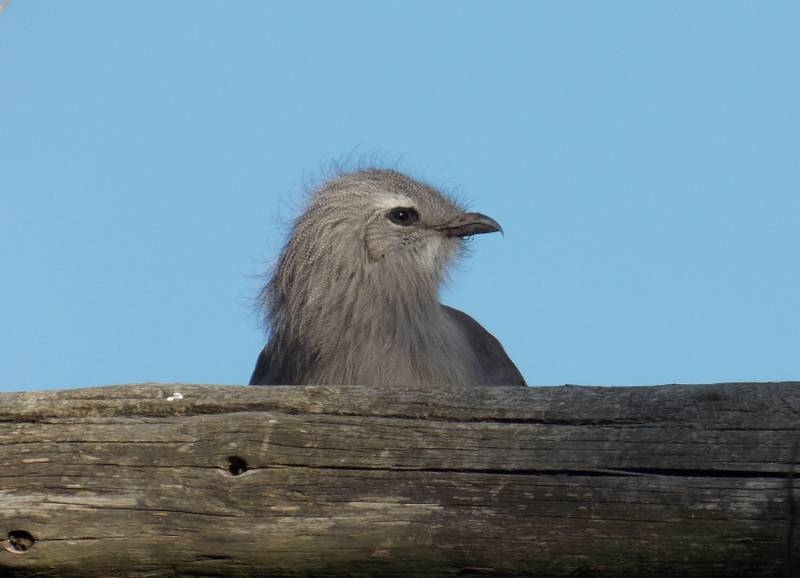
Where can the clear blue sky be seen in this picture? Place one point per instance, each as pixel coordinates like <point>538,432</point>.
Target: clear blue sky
<point>643,158</point>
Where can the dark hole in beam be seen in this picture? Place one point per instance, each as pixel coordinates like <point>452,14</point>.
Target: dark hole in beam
<point>19,541</point>
<point>237,465</point>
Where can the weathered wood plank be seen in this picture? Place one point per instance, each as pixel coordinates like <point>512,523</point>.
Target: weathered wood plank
<point>564,481</point>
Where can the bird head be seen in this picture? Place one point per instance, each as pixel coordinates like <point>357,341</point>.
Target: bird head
<point>389,219</point>
<point>375,232</point>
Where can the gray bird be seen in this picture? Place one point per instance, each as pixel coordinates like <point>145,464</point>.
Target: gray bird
<point>353,298</point>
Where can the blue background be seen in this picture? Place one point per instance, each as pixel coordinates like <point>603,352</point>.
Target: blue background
<point>643,158</point>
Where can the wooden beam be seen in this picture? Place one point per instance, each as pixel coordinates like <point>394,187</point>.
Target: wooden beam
<point>177,480</point>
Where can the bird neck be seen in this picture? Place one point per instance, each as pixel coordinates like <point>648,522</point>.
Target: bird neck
<point>380,304</point>
<point>375,326</point>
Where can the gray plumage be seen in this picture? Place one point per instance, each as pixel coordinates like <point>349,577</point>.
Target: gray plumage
<point>354,298</point>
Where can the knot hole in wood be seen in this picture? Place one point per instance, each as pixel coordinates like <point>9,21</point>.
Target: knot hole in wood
<point>237,465</point>
<point>19,542</point>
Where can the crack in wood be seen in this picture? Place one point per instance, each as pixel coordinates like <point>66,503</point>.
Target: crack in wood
<point>98,507</point>
<point>578,473</point>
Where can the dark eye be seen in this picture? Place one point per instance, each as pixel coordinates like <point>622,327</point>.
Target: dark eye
<point>403,216</point>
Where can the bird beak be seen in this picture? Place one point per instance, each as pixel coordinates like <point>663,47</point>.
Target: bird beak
<point>467,224</point>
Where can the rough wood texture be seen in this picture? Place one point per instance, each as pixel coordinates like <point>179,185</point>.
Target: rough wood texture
<point>321,481</point>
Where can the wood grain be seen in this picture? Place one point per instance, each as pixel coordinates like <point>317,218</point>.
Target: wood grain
<point>327,481</point>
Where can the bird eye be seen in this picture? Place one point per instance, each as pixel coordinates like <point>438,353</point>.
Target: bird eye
<point>403,216</point>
